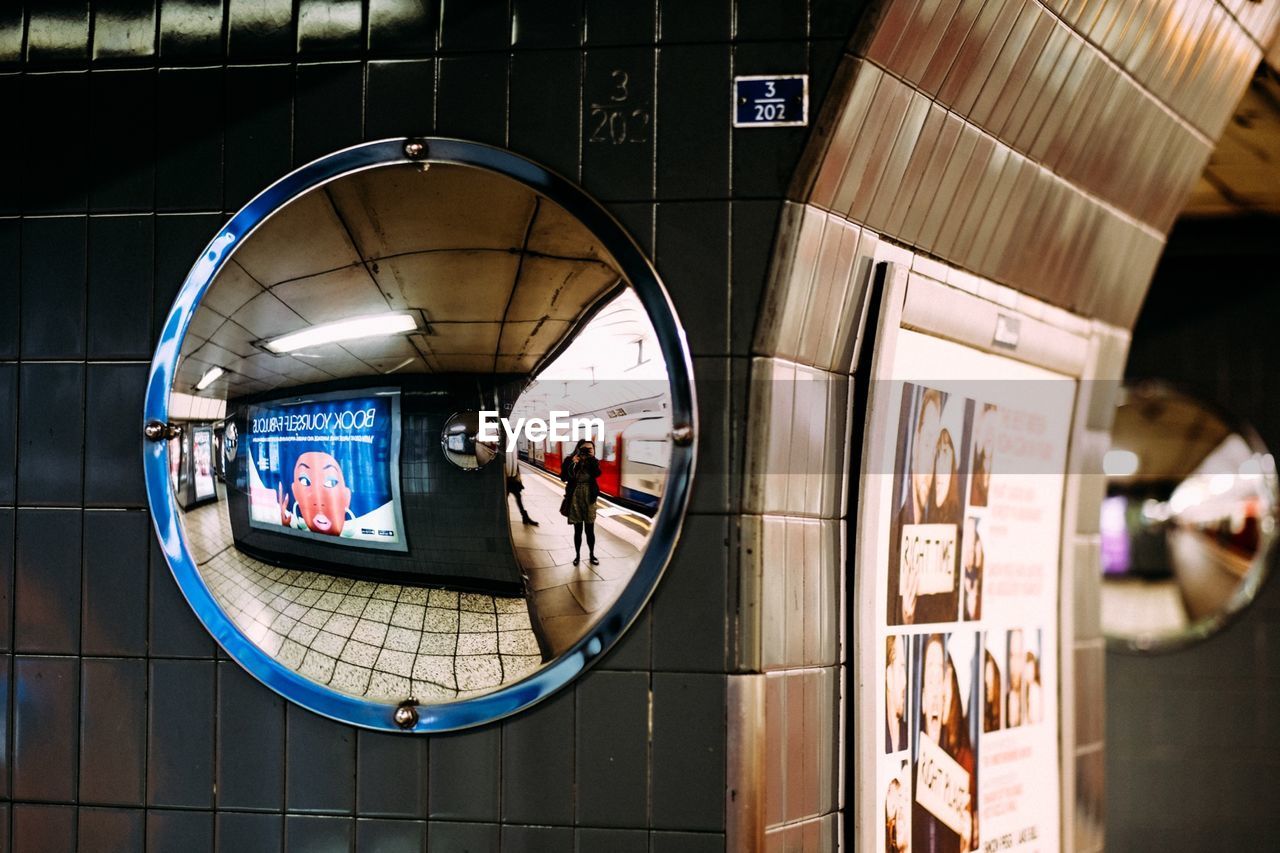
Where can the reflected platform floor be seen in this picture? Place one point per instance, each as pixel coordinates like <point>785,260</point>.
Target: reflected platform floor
<point>381,641</point>
<point>568,599</point>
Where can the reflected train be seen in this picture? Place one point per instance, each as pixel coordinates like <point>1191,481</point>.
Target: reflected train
<point>633,456</point>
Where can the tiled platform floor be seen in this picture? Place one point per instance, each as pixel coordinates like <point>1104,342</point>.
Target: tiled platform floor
<point>567,599</point>
<point>381,641</point>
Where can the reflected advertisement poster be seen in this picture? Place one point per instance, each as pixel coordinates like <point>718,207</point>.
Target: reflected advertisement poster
<point>327,468</point>
<point>202,462</point>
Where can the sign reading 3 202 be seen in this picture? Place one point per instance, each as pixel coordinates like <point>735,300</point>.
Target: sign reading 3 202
<point>771,100</point>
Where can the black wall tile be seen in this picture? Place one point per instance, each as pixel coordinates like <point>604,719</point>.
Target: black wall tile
<point>400,98</point>
<point>110,830</point>
<point>40,829</point>
<point>50,446</point>
<point>330,109</point>
<point>180,735</point>
<point>8,524</point>
<point>12,30</point>
<point>464,776</point>
<point>694,122</point>
<point>259,130</point>
<point>399,27</point>
<point>537,839</point>
<point>179,241</point>
<point>46,712</point>
<point>543,128</point>
<point>12,145</point>
<point>121,268</point>
<point>318,834</point>
<point>191,31</point>
<point>125,30</point>
<point>690,604</point>
<point>189,139</point>
<point>753,225</point>
<point>686,842</point>
<point>113,405</point>
<point>174,629</point>
<point>618,124</point>
<point>10,277</point>
<point>115,583</point>
<point>47,581</point>
<point>53,287</point>
<point>260,29</point>
<point>58,32</point>
<point>243,832</point>
<point>834,18</point>
<point>637,218</point>
<point>8,432</point>
<point>171,831</point>
<point>6,682</point>
<point>693,260</point>
<point>471,100</point>
<point>632,651</point>
<point>448,837</point>
<point>546,23</point>
<point>619,22</point>
<point>693,22</point>
<point>391,778</point>
<point>391,836</point>
<point>330,27</point>
<point>597,840</point>
<point>469,25</point>
<point>122,116</point>
<point>780,19</point>
<point>687,785</point>
<point>321,765</point>
<point>611,749</point>
<point>113,731</point>
<point>251,730</point>
<point>54,110</point>
<point>537,767</point>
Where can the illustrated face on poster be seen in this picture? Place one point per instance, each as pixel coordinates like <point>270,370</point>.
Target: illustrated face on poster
<point>202,459</point>
<point>967,509</point>
<point>328,468</point>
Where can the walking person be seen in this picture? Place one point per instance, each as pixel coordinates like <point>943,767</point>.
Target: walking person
<point>515,485</point>
<point>580,473</point>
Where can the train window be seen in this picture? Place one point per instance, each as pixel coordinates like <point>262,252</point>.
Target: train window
<point>1188,520</point>
<point>395,353</point>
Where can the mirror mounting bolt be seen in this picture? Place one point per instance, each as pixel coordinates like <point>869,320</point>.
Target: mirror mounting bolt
<point>406,715</point>
<point>159,431</point>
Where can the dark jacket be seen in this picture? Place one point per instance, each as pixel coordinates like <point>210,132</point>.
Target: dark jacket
<point>593,471</point>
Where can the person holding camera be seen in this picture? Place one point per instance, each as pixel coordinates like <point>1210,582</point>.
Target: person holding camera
<point>580,473</point>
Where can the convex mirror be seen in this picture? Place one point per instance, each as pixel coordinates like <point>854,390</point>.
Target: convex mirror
<point>451,412</point>
<point>1188,519</point>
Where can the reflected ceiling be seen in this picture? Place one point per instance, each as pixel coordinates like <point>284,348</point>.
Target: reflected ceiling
<point>496,275</point>
<point>1171,434</point>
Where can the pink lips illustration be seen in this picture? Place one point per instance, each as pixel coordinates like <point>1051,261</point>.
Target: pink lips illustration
<point>322,522</point>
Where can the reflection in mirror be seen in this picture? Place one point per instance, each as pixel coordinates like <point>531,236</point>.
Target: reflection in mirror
<point>1187,520</point>
<point>333,392</point>
<point>461,444</point>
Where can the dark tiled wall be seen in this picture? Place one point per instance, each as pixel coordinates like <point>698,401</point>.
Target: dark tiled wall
<point>1193,737</point>
<point>134,129</point>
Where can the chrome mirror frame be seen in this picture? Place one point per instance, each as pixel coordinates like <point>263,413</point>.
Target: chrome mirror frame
<point>1260,569</point>
<point>667,522</point>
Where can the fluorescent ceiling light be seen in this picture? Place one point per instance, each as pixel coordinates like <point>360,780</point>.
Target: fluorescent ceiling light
<point>209,378</point>
<point>373,326</point>
<point>1120,463</point>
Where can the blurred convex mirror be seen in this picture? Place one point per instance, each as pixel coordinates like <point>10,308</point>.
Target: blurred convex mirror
<point>1188,519</point>
<point>420,434</point>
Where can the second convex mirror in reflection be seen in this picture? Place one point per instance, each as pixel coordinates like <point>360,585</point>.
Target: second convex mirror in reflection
<point>336,491</point>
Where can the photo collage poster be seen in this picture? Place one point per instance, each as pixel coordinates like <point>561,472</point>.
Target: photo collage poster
<point>966,600</point>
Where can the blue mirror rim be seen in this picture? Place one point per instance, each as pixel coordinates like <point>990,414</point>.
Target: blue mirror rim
<point>640,274</point>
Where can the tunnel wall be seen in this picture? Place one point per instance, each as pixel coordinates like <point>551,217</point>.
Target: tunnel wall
<point>133,132</point>
<point>1032,155</point>
<point>1193,735</point>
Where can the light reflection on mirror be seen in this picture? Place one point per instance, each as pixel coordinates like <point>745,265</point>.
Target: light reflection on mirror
<point>1187,520</point>
<point>332,485</point>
